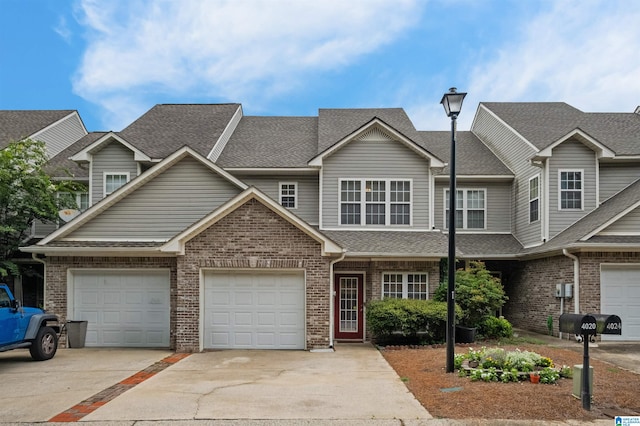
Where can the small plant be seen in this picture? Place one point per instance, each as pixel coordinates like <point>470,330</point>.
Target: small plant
<point>544,362</point>
<point>549,375</point>
<point>550,325</point>
<point>510,376</point>
<point>566,372</point>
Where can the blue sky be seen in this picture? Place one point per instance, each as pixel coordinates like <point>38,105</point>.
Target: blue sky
<point>114,59</point>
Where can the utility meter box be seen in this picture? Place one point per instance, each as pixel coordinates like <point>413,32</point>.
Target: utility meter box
<point>568,291</point>
<point>564,290</point>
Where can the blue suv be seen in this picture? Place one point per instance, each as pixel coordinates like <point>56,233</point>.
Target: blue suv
<point>27,328</point>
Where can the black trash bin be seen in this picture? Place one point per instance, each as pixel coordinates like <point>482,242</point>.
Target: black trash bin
<point>76,333</point>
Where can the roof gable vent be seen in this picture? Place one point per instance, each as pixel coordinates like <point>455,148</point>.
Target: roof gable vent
<point>374,134</point>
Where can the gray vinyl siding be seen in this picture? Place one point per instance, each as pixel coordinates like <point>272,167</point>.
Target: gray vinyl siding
<point>375,159</point>
<point>42,229</point>
<point>164,206</point>
<point>308,192</point>
<point>497,207</point>
<point>615,177</point>
<point>570,155</point>
<point>516,153</point>
<point>629,224</point>
<point>61,134</point>
<point>113,158</point>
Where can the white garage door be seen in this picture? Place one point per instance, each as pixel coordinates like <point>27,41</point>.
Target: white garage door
<point>620,295</point>
<point>263,310</point>
<point>123,308</point>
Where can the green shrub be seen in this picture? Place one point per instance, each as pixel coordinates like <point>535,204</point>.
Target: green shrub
<point>495,328</point>
<point>478,293</point>
<point>408,320</point>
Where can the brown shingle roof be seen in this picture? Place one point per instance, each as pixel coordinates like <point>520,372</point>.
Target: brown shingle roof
<point>19,124</point>
<point>543,123</point>
<point>166,127</point>
<point>472,156</point>
<point>271,142</point>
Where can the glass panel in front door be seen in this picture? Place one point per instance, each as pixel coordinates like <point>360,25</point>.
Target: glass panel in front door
<point>349,304</point>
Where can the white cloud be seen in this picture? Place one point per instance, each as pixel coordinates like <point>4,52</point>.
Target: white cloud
<point>580,52</point>
<point>224,49</point>
<point>62,29</point>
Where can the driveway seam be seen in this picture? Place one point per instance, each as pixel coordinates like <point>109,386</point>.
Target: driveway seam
<point>101,398</point>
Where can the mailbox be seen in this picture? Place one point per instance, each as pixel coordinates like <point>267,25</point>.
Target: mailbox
<point>608,324</point>
<point>578,324</point>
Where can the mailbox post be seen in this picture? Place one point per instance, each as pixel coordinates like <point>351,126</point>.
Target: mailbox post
<point>589,325</point>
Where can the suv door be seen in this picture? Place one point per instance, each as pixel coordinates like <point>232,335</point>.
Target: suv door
<point>9,324</point>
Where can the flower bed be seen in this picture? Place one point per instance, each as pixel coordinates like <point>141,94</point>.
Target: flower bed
<point>496,364</point>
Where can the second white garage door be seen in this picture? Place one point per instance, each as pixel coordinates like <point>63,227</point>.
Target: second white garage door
<point>254,310</point>
<point>620,295</point>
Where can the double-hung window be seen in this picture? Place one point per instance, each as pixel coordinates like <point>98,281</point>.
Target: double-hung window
<point>375,202</point>
<point>82,200</point>
<point>113,181</point>
<point>534,199</point>
<point>470,208</point>
<point>289,194</point>
<point>570,193</point>
<point>405,285</point>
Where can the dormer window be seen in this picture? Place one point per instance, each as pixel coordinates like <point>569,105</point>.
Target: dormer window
<point>570,193</point>
<point>375,202</point>
<point>113,181</point>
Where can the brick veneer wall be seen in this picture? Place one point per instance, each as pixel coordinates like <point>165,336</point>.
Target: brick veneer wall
<point>531,293</point>
<point>253,237</point>
<point>532,289</point>
<point>56,281</point>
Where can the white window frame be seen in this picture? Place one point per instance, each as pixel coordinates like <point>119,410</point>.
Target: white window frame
<point>79,200</point>
<point>405,283</point>
<point>294,196</point>
<point>465,209</point>
<point>387,201</point>
<point>535,198</point>
<point>104,181</point>
<point>562,191</point>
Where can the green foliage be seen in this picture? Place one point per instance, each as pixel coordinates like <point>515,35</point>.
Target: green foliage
<point>27,193</point>
<point>550,325</point>
<point>566,372</point>
<point>497,364</point>
<point>478,293</point>
<point>495,328</point>
<point>412,320</point>
<point>549,375</point>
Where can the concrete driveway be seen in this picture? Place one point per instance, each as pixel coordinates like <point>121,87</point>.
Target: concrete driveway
<point>352,383</point>
<point>37,391</point>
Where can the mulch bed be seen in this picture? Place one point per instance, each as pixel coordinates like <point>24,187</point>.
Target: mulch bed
<point>447,395</point>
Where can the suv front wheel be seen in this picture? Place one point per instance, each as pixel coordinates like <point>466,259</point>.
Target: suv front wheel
<point>45,344</point>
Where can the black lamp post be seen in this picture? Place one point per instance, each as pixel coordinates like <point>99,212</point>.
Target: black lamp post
<point>452,103</point>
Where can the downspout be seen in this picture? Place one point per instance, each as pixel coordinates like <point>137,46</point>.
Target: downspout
<point>576,280</point>
<point>332,298</point>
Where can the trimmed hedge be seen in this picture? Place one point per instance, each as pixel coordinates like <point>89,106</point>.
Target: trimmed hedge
<point>408,321</point>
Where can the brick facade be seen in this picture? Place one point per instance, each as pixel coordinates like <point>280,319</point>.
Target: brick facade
<point>532,288</point>
<point>253,237</point>
<point>250,238</point>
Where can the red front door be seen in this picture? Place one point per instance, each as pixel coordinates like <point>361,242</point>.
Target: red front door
<point>348,307</point>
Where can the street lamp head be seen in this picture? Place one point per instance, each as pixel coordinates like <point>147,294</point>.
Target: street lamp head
<point>452,102</point>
